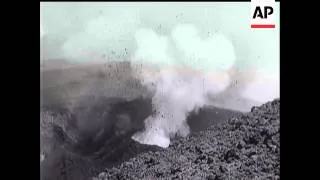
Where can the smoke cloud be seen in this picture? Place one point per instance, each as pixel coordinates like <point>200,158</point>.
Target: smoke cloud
<point>189,68</point>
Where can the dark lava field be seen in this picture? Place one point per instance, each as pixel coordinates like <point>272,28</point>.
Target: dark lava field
<point>245,147</point>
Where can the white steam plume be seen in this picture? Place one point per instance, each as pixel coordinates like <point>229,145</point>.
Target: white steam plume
<point>188,69</point>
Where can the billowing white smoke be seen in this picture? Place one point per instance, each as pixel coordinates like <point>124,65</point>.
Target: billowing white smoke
<point>187,69</point>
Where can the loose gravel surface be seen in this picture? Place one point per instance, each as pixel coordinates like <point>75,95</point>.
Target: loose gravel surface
<point>244,147</point>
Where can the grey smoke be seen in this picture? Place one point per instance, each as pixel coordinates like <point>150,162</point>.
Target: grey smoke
<point>188,70</point>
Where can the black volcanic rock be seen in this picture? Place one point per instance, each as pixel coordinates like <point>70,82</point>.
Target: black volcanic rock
<point>244,147</point>
<point>74,152</point>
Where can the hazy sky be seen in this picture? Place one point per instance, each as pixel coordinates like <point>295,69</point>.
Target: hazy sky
<point>98,31</point>
<point>114,25</point>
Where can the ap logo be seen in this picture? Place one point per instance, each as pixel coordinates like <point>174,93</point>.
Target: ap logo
<point>262,13</point>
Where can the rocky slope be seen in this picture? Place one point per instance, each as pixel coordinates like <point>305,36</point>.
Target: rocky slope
<point>244,147</point>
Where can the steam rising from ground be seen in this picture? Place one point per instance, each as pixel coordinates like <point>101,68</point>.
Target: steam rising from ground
<point>182,83</point>
<point>189,56</point>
